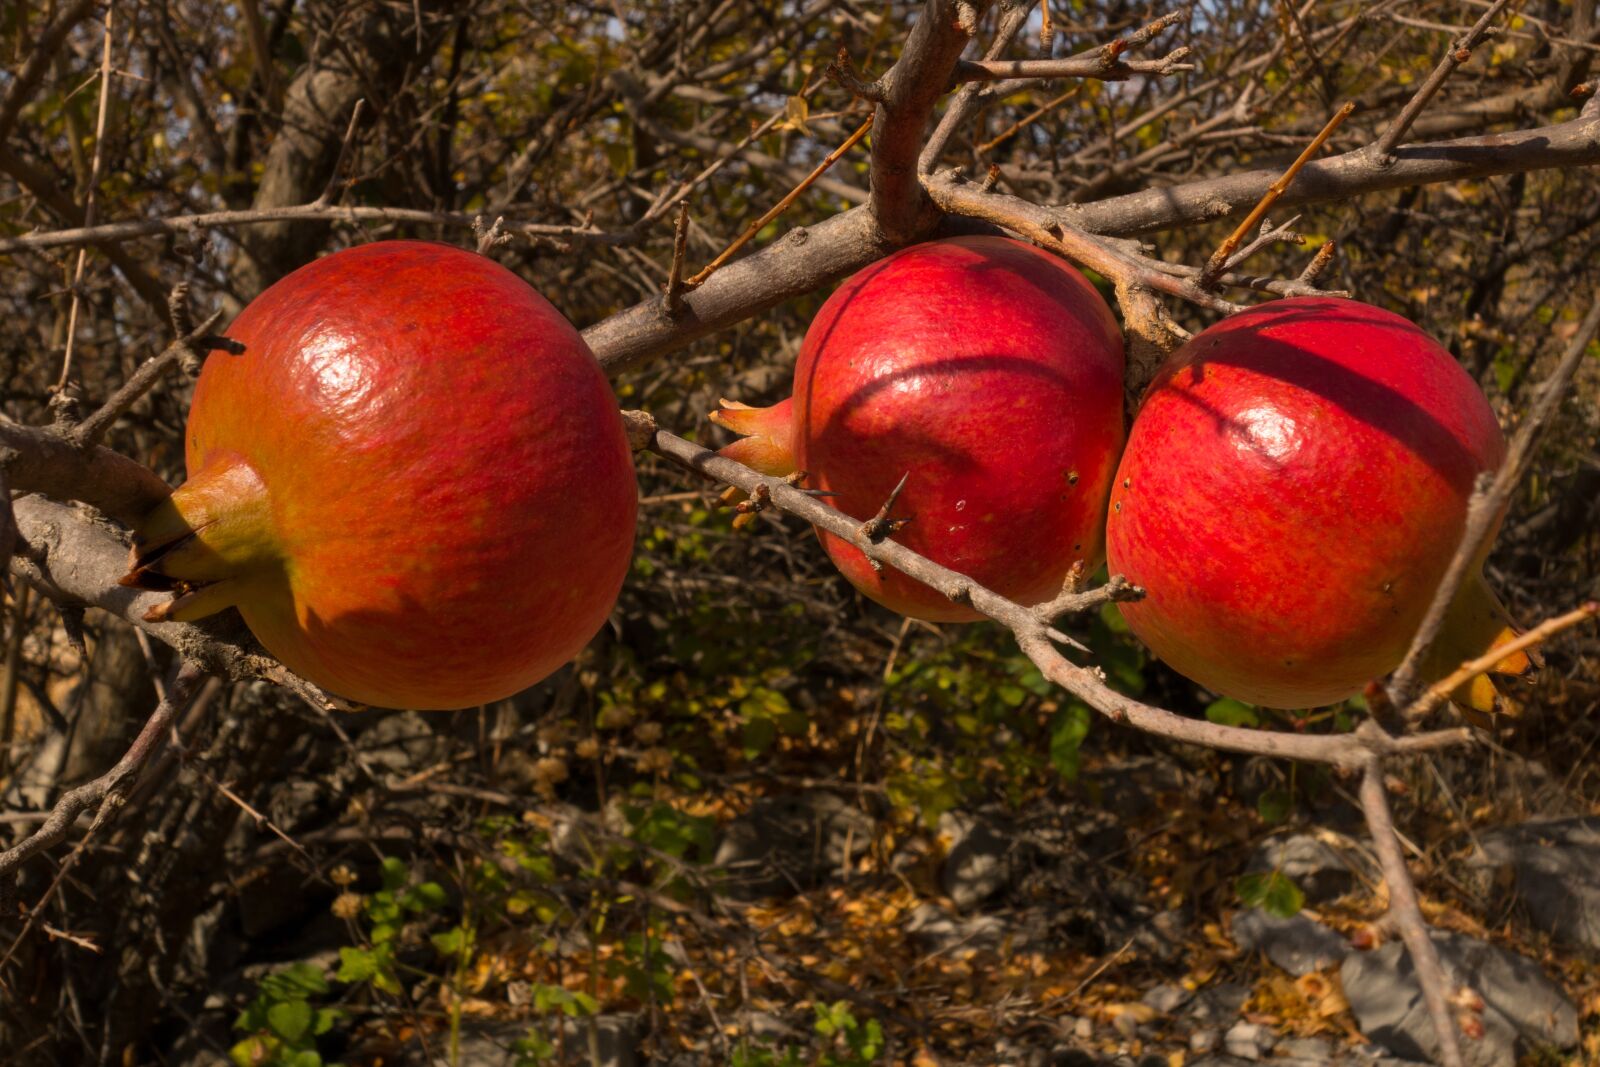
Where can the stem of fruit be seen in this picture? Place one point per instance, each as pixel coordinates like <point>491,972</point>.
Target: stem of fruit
<point>1485,508</point>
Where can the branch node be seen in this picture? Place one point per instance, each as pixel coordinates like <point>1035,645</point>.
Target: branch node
<point>843,71</point>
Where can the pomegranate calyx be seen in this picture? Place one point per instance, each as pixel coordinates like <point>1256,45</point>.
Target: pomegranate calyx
<point>216,527</point>
<point>766,441</point>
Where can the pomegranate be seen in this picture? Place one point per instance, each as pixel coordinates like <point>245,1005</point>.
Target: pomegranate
<point>991,373</point>
<point>1294,485</point>
<point>414,484</point>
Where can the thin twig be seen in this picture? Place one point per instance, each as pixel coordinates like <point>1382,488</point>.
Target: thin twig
<point>90,201</point>
<point>108,790</point>
<point>1406,913</point>
<point>1440,691</point>
<point>1487,504</point>
<point>1219,260</point>
<point>781,206</point>
<point>1089,65</point>
<point>1032,635</point>
<point>188,349</point>
<point>1459,52</point>
<point>327,196</point>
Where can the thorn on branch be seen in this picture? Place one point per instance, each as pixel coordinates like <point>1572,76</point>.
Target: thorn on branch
<point>673,299</point>
<point>843,71</point>
<point>992,178</point>
<point>883,524</point>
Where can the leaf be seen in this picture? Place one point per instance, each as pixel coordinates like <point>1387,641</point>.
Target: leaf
<point>1271,891</point>
<point>1230,712</point>
<point>356,964</point>
<point>394,873</point>
<point>795,112</point>
<point>1274,806</point>
<point>1067,731</point>
<point>290,1020</point>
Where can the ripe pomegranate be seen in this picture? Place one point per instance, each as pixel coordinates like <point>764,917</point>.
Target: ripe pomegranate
<point>1294,485</point>
<point>991,372</point>
<point>414,484</point>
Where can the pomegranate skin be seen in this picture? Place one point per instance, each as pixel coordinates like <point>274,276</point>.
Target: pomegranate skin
<point>991,372</point>
<point>1294,485</point>
<point>446,501</point>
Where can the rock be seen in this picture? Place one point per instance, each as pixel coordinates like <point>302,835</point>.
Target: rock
<point>1248,1041</point>
<point>946,933</point>
<point>1218,1005</point>
<point>489,1043</point>
<point>981,860</point>
<point>791,842</point>
<point>1523,1009</point>
<point>1313,1049</point>
<point>1167,998</point>
<point>1202,1041</point>
<point>1134,787</point>
<point>1555,869</point>
<point>1298,944</point>
<point>1322,871</point>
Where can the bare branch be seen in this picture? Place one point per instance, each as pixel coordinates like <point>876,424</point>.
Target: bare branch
<point>187,350</point>
<point>1459,52</point>
<point>1440,691</point>
<point>910,89</point>
<point>1222,258</point>
<point>1407,915</point>
<point>1566,145</point>
<point>109,790</point>
<point>1089,65</point>
<point>1033,636</point>
<point>780,207</point>
<point>1486,507</point>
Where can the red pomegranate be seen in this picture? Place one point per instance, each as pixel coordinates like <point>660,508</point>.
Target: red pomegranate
<point>991,373</point>
<point>1294,485</point>
<point>414,484</point>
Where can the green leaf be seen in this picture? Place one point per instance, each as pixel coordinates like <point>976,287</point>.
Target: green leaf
<point>356,965</point>
<point>394,873</point>
<point>1067,731</point>
<point>1230,712</point>
<point>1271,891</point>
<point>1274,805</point>
<point>290,1020</point>
<point>427,896</point>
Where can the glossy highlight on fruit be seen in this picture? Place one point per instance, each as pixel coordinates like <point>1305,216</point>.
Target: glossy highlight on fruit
<point>414,483</point>
<point>988,371</point>
<point>1294,485</point>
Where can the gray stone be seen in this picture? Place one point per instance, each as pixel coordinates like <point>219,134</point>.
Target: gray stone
<point>1248,1041</point>
<point>1218,1005</point>
<point>1523,1009</point>
<point>791,842</point>
<point>1322,871</point>
<point>1315,1049</point>
<point>1202,1041</point>
<point>1555,870</point>
<point>1298,944</point>
<point>981,861</point>
<point>1167,998</point>
<point>939,932</point>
